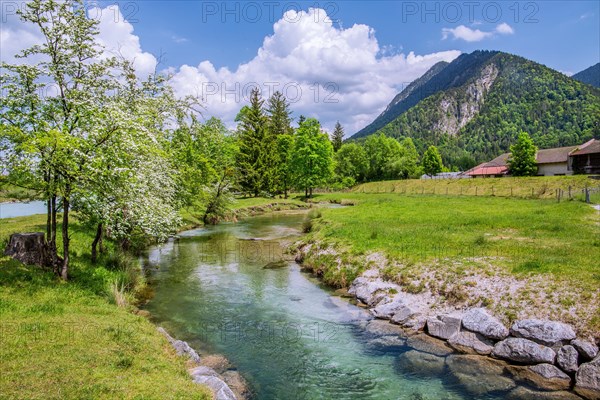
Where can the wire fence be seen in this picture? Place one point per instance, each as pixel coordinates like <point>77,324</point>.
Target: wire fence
<point>590,194</point>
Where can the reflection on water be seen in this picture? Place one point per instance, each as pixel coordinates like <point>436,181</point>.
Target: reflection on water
<point>283,330</point>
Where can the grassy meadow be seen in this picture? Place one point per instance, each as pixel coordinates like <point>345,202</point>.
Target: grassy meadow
<point>536,187</point>
<point>63,340</point>
<point>440,242</point>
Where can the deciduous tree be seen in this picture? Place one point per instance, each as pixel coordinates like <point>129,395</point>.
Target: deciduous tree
<point>522,160</point>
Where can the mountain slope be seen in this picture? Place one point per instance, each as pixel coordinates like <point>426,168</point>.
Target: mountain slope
<point>591,75</point>
<point>481,109</point>
<point>441,76</point>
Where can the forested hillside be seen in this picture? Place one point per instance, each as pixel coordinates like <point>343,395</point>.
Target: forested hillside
<point>498,97</point>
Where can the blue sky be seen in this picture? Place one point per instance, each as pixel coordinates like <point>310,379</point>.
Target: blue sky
<point>334,60</point>
<point>564,35</point>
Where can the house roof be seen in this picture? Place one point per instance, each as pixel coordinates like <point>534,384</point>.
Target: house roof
<point>591,147</point>
<point>485,169</point>
<point>499,165</point>
<point>556,155</point>
<point>500,161</point>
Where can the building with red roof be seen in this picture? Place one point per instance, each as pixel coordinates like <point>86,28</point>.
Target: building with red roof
<point>584,159</point>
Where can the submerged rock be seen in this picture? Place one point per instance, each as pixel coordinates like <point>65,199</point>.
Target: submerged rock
<point>588,379</point>
<point>480,321</point>
<point>541,376</point>
<point>471,343</point>
<point>548,333</point>
<point>378,327</point>
<point>419,363</point>
<point>479,375</point>
<point>216,362</point>
<point>276,264</point>
<point>522,393</point>
<point>428,344</point>
<point>387,342</point>
<point>523,351</point>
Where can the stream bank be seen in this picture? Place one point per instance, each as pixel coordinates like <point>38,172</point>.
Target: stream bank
<point>545,355</point>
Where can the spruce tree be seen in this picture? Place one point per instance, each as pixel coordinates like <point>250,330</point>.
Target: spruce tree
<point>337,137</point>
<point>278,111</point>
<point>251,160</point>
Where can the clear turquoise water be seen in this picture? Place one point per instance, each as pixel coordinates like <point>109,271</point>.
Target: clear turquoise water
<point>289,336</point>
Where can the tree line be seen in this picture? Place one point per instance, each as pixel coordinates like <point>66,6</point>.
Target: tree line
<point>127,155</point>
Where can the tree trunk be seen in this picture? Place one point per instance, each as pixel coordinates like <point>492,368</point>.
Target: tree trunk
<point>305,192</point>
<point>310,193</point>
<point>64,273</point>
<point>101,242</point>
<point>97,240</point>
<point>52,236</point>
<point>124,244</point>
<point>49,219</point>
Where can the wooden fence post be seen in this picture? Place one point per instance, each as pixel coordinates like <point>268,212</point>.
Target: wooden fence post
<point>587,195</point>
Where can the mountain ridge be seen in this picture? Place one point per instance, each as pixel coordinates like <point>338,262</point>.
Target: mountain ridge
<point>590,75</point>
<point>476,112</point>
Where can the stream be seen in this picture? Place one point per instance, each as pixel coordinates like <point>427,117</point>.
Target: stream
<point>288,334</point>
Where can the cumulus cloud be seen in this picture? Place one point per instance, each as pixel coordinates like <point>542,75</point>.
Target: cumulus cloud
<point>326,72</point>
<point>117,38</point>
<point>505,29</point>
<point>115,35</point>
<point>475,35</point>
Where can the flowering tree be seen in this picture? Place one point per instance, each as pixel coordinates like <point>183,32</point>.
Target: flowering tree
<point>82,129</point>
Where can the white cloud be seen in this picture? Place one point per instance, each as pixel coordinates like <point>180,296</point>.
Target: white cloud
<point>115,35</point>
<point>117,38</point>
<point>178,39</point>
<point>326,72</point>
<point>475,35</point>
<point>505,29</point>
<point>465,33</point>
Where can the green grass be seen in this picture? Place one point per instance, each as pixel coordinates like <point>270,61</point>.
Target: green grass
<point>245,202</point>
<point>527,236</point>
<point>241,207</point>
<point>10,192</point>
<point>539,187</point>
<point>68,340</point>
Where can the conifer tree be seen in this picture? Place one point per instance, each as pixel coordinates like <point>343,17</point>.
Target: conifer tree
<point>337,137</point>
